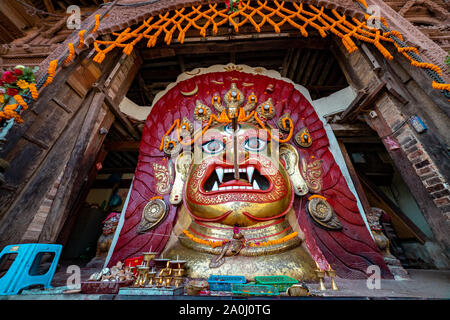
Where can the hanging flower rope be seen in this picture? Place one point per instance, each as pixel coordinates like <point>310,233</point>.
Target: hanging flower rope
<point>30,92</point>
<point>236,14</point>
<point>411,53</point>
<point>220,243</point>
<point>258,14</point>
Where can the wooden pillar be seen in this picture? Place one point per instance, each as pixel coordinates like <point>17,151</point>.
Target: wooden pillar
<point>40,148</point>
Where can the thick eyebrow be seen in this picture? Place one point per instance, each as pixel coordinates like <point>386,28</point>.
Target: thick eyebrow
<point>252,133</point>
<point>211,135</point>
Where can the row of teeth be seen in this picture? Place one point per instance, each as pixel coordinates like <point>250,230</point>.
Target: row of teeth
<point>216,188</point>
<point>249,170</point>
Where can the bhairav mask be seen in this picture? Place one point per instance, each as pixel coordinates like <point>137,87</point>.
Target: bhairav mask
<point>236,168</point>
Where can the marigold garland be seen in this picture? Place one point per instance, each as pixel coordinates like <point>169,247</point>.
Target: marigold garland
<point>33,91</point>
<point>81,36</point>
<point>210,243</point>
<point>441,86</point>
<point>51,72</point>
<point>220,243</point>
<point>273,242</point>
<point>21,102</point>
<point>71,54</point>
<point>97,23</point>
<point>9,112</point>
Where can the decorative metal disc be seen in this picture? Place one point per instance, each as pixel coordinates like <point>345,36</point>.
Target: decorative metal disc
<point>171,147</point>
<point>154,212</point>
<point>201,112</point>
<point>187,126</point>
<point>322,213</point>
<point>303,138</point>
<point>283,124</point>
<point>266,110</point>
<point>234,97</point>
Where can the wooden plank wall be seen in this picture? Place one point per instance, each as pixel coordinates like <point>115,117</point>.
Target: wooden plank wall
<point>59,138</point>
<point>405,87</point>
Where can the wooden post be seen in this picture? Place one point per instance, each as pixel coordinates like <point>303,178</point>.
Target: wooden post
<point>73,170</point>
<point>351,169</point>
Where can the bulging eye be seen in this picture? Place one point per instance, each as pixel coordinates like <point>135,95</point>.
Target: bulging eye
<point>255,144</point>
<point>213,146</point>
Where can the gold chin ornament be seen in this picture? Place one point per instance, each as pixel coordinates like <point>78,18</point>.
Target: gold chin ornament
<point>152,215</point>
<point>321,212</point>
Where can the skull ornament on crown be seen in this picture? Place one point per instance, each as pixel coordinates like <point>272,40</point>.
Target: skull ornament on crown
<point>238,148</point>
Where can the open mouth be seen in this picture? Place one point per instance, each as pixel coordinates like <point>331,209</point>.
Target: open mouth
<point>222,178</point>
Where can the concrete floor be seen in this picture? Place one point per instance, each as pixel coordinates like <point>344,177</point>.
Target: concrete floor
<point>424,284</point>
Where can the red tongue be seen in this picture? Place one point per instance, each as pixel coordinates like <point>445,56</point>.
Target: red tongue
<point>235,183</point>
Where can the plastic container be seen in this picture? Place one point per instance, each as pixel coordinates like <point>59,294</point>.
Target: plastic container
<point>282,283</point>
<point>223,283</point>
<point>253,290</point>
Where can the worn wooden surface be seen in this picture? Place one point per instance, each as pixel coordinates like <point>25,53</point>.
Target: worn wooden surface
<point>40,148</point>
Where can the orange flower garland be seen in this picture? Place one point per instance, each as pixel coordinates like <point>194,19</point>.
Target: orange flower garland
<point>33,91</point>
<point>97,23</point>
<point>274,242</point>
<point>71,53</point>
<point>9,112</point>
<point>51,72</point>
<point>81,35</point>
<point>210,243</point>
<point>21,102</point>
<point>441,86</point>
<point>215,244</point>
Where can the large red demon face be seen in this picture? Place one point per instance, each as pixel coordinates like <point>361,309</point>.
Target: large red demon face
<point>213,193</point>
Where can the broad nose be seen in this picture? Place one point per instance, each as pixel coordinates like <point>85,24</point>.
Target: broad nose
<point>231,154</point>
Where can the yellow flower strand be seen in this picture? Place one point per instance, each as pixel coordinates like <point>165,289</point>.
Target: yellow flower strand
<point>51,72</point>
<point>33,91</point>
<point>22,84</point>
<point>71,53</point>
<point>274,242</point>
<point>21,102</point>
<point>210,243</point>
<point>9,112</point>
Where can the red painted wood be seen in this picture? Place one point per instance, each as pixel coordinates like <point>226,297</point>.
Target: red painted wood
<point>349,251</point>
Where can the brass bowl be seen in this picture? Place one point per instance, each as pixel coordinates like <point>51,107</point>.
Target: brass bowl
<point>167,280</point>
<point>178,272</point>
<point>159,282</point>
<point>177,264</point>
<point>161,263</point>
<point>195,286</point>
<point>193,291</point>
<point>149,256</point>
<point>178,281</point>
